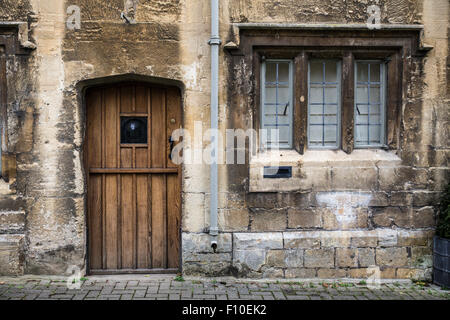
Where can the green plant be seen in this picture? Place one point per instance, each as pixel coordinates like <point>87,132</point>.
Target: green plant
<point>362,282</point>
<point>443,226</point>
<point>179,278</point>
<point>345,285</point>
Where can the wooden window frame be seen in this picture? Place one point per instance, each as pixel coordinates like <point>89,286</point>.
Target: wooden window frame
<point>3,109</point>
<point>383,88</point>
<point>301,44</point>
<point>337,146</point>
<point>13,42</point>
<point>291,90</point>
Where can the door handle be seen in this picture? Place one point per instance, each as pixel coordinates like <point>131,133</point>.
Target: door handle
<point>171,142</point>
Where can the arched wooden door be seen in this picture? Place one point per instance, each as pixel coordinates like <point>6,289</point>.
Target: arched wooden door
<point>134,191</point>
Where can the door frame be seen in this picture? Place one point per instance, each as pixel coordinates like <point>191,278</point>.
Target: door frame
<point>107,82</point>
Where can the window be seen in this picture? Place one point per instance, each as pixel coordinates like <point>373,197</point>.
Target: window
<point>133,130</point>
<point>369,104</point>
<point>324,116</point>
<point>276,96</point>
<point>324,104</point>
<point>359,124</point>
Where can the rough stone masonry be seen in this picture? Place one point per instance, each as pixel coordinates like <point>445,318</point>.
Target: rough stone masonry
<point>359,214</point>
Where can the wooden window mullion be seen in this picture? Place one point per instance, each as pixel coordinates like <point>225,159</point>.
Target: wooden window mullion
<point>393,101</point>
<point>3,110</point>
<point>348,96</point>
<point>301,102</point>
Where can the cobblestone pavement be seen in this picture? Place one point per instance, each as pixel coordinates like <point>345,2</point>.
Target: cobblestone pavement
<point>152,287</point>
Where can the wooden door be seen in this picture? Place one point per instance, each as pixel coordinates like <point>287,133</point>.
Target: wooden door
<point>133,187</point>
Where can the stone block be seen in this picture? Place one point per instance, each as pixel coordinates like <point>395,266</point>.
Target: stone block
<point>414,238</point>
<point>276,258</point>
<point>366,239</point>
<point>379,199</point>
<point>12,222</point>
<point>345,218</point>
<point>315,178</point>
<point>298,200</point>
<point>421,257</point>
<point>233,220</point>
<point>414,274</point>
<point>353,178</point>
<point>336,239</point>
<point>266,240</point>
<point>439,178</point>
<point>201,243</point>
<point>194,212</point>
<point>215,269</point>
<point>391,216</point>
<point>302,273</point>
<point>423,217</point>
<point>425,198</point>
<point>299,240</point>
<point>366,257</point>
<point>346,257</point>
<point>267,200</point>
<point>387,238</point>
<point>316,258</point>
<point>272,273</point>
<point>252,259</point>
<point>294,258</point>
<point>392,257</point>
<point>401,199</point>
<point>362,273</point>
<point>11,255</point>
<point>325,273</point>
<point>304,219</point>
<point>55,235</point>
<point>206,257</point>
<point>402,178</point>
<point>265,220</point>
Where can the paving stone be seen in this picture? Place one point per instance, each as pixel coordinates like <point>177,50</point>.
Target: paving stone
<point>62,296</point>
<point>205,296</point>
<point>296,297</point>
<point>165,289</point>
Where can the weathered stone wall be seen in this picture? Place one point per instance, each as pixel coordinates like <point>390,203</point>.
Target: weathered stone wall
<point>18,139</point>
<point>339,216</point>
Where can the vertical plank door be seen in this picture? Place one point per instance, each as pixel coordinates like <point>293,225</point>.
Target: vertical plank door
<point>134,189</point>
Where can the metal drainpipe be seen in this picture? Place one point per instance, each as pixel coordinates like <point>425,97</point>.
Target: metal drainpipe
<point>214,42</point>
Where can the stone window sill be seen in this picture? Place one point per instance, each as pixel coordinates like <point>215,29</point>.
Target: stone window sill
<point>313,170</point>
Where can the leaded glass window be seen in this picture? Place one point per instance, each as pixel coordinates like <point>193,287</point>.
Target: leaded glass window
<point>369,103</point>
<point>324,104</point>
<point>277,113</point>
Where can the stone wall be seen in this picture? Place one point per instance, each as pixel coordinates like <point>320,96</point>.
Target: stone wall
<point>339,216</point>
<point>385,253</point>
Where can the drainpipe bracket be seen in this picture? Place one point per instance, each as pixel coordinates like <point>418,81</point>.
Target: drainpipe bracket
<point>214,232</point>
<point>215,41</point>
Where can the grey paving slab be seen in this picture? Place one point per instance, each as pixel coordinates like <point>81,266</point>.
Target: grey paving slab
<point>165,288</point>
